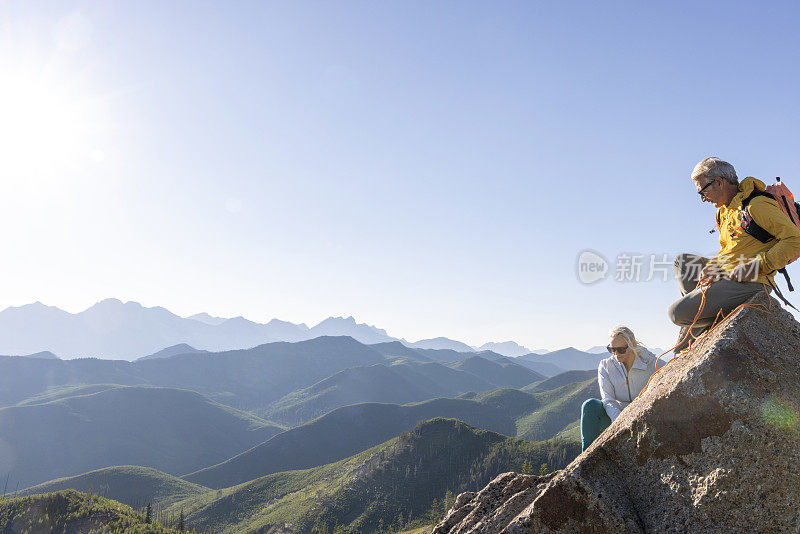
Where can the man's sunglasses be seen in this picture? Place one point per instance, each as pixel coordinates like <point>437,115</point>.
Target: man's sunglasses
<point>621,350</point>
<point>702,189</point>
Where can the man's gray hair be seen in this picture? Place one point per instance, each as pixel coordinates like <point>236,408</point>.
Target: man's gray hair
<point>714,167</point>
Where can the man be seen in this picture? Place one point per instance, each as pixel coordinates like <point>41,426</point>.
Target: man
<point>744,264</point>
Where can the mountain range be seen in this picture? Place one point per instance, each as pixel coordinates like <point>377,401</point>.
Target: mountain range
<point>245,379</point>
<point>170,429</point>
<point>399,383</point>
<point>173,430</point>
<point>113,329</point>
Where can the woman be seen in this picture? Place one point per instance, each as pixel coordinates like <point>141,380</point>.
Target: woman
<point>621,377</point>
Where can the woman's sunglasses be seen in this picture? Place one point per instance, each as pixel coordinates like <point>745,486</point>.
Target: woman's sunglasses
<point>621,350</point>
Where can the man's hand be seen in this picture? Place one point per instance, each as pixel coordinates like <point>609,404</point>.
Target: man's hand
<point>710,274</point>
<point>745,272</point>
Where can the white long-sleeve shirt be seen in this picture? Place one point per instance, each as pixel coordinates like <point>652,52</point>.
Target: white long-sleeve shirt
<point>619,387</point>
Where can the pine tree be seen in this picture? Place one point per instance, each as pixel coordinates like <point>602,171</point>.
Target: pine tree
<point>544,469</point>
<point>433,514</point>
<point>527,468</point>
<point>180,521</point>
<point>449,500</point>
<point>148,514</point>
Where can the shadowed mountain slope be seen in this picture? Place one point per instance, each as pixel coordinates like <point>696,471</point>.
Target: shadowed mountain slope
<point>559,407</point>
<point>569,359</point>
<point>352,428</point>
<point>341,433</point>
<point>129,484</point>
<point>181,348</point>
<point>399,383</point>
<point>543,368</point>
<point>561,379</point>
<point>249,379</point>
<point>172,430</point>
<point>22,378</point>
<point>441,343</point>
<point>395,349</point>
<point>401,477</point>
<point>500,373</point>
<point>62,392</point>
<point>246,379</point>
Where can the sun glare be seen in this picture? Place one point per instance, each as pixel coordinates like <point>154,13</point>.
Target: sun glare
<point>46,131</point>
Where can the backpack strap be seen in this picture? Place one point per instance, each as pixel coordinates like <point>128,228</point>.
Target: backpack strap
<point>749,225</point>
<point>778,292</point>
<point>789,211</point>
<point>788,280</point>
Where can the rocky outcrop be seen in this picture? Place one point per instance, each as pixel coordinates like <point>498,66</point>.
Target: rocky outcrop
<point>712,445</point>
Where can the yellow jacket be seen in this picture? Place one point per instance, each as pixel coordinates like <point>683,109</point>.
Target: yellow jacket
<point>738,247</point>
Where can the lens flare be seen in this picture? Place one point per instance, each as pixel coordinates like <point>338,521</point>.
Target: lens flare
<point>781,414</point>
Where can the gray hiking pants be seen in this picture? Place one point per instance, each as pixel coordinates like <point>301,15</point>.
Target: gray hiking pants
<point>724,294</point>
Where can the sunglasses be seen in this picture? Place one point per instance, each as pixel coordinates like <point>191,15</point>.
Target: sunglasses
<point>702,189</point>
<point>620,350</point>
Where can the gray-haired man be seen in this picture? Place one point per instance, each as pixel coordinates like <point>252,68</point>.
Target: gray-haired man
<point>744,265</point>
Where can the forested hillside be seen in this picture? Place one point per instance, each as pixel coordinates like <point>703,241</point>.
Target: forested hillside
<point>400,483</point>
<point>72,512</point>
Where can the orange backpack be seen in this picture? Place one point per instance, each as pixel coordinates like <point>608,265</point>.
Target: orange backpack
<point>788,206</point>
<point>786,202</point>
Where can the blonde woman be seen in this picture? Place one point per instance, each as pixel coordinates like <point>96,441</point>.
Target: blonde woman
<point>621,377</point>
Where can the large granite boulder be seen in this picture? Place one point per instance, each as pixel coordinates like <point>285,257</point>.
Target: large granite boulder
<point>712,445</point>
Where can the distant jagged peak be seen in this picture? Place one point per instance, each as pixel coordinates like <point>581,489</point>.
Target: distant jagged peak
<point>491,355</point>
<point>174,350</point>
<point>42,355</point>
<point>506,348</point>
<point>438,343</point>
<point>349,319</point>
<point>205,318</point>
<point>279,322</point>
<point>567,348</point>
<point>111,301</point>
<point>348,326</point>
<point>239,319</point>
<point>346,321</point>
<point>37,306</point>
<point>329,339</point>
<point>115,305</point>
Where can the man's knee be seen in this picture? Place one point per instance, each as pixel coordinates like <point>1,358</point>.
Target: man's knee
<point>682,312</point>
<point>592,407</point>
<point>688,266</point>
<point>681,260</point>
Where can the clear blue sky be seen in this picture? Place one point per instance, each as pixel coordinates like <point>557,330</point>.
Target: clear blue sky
<point>433,168</point>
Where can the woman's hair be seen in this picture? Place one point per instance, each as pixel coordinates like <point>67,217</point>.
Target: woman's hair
<point>627,335</point>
